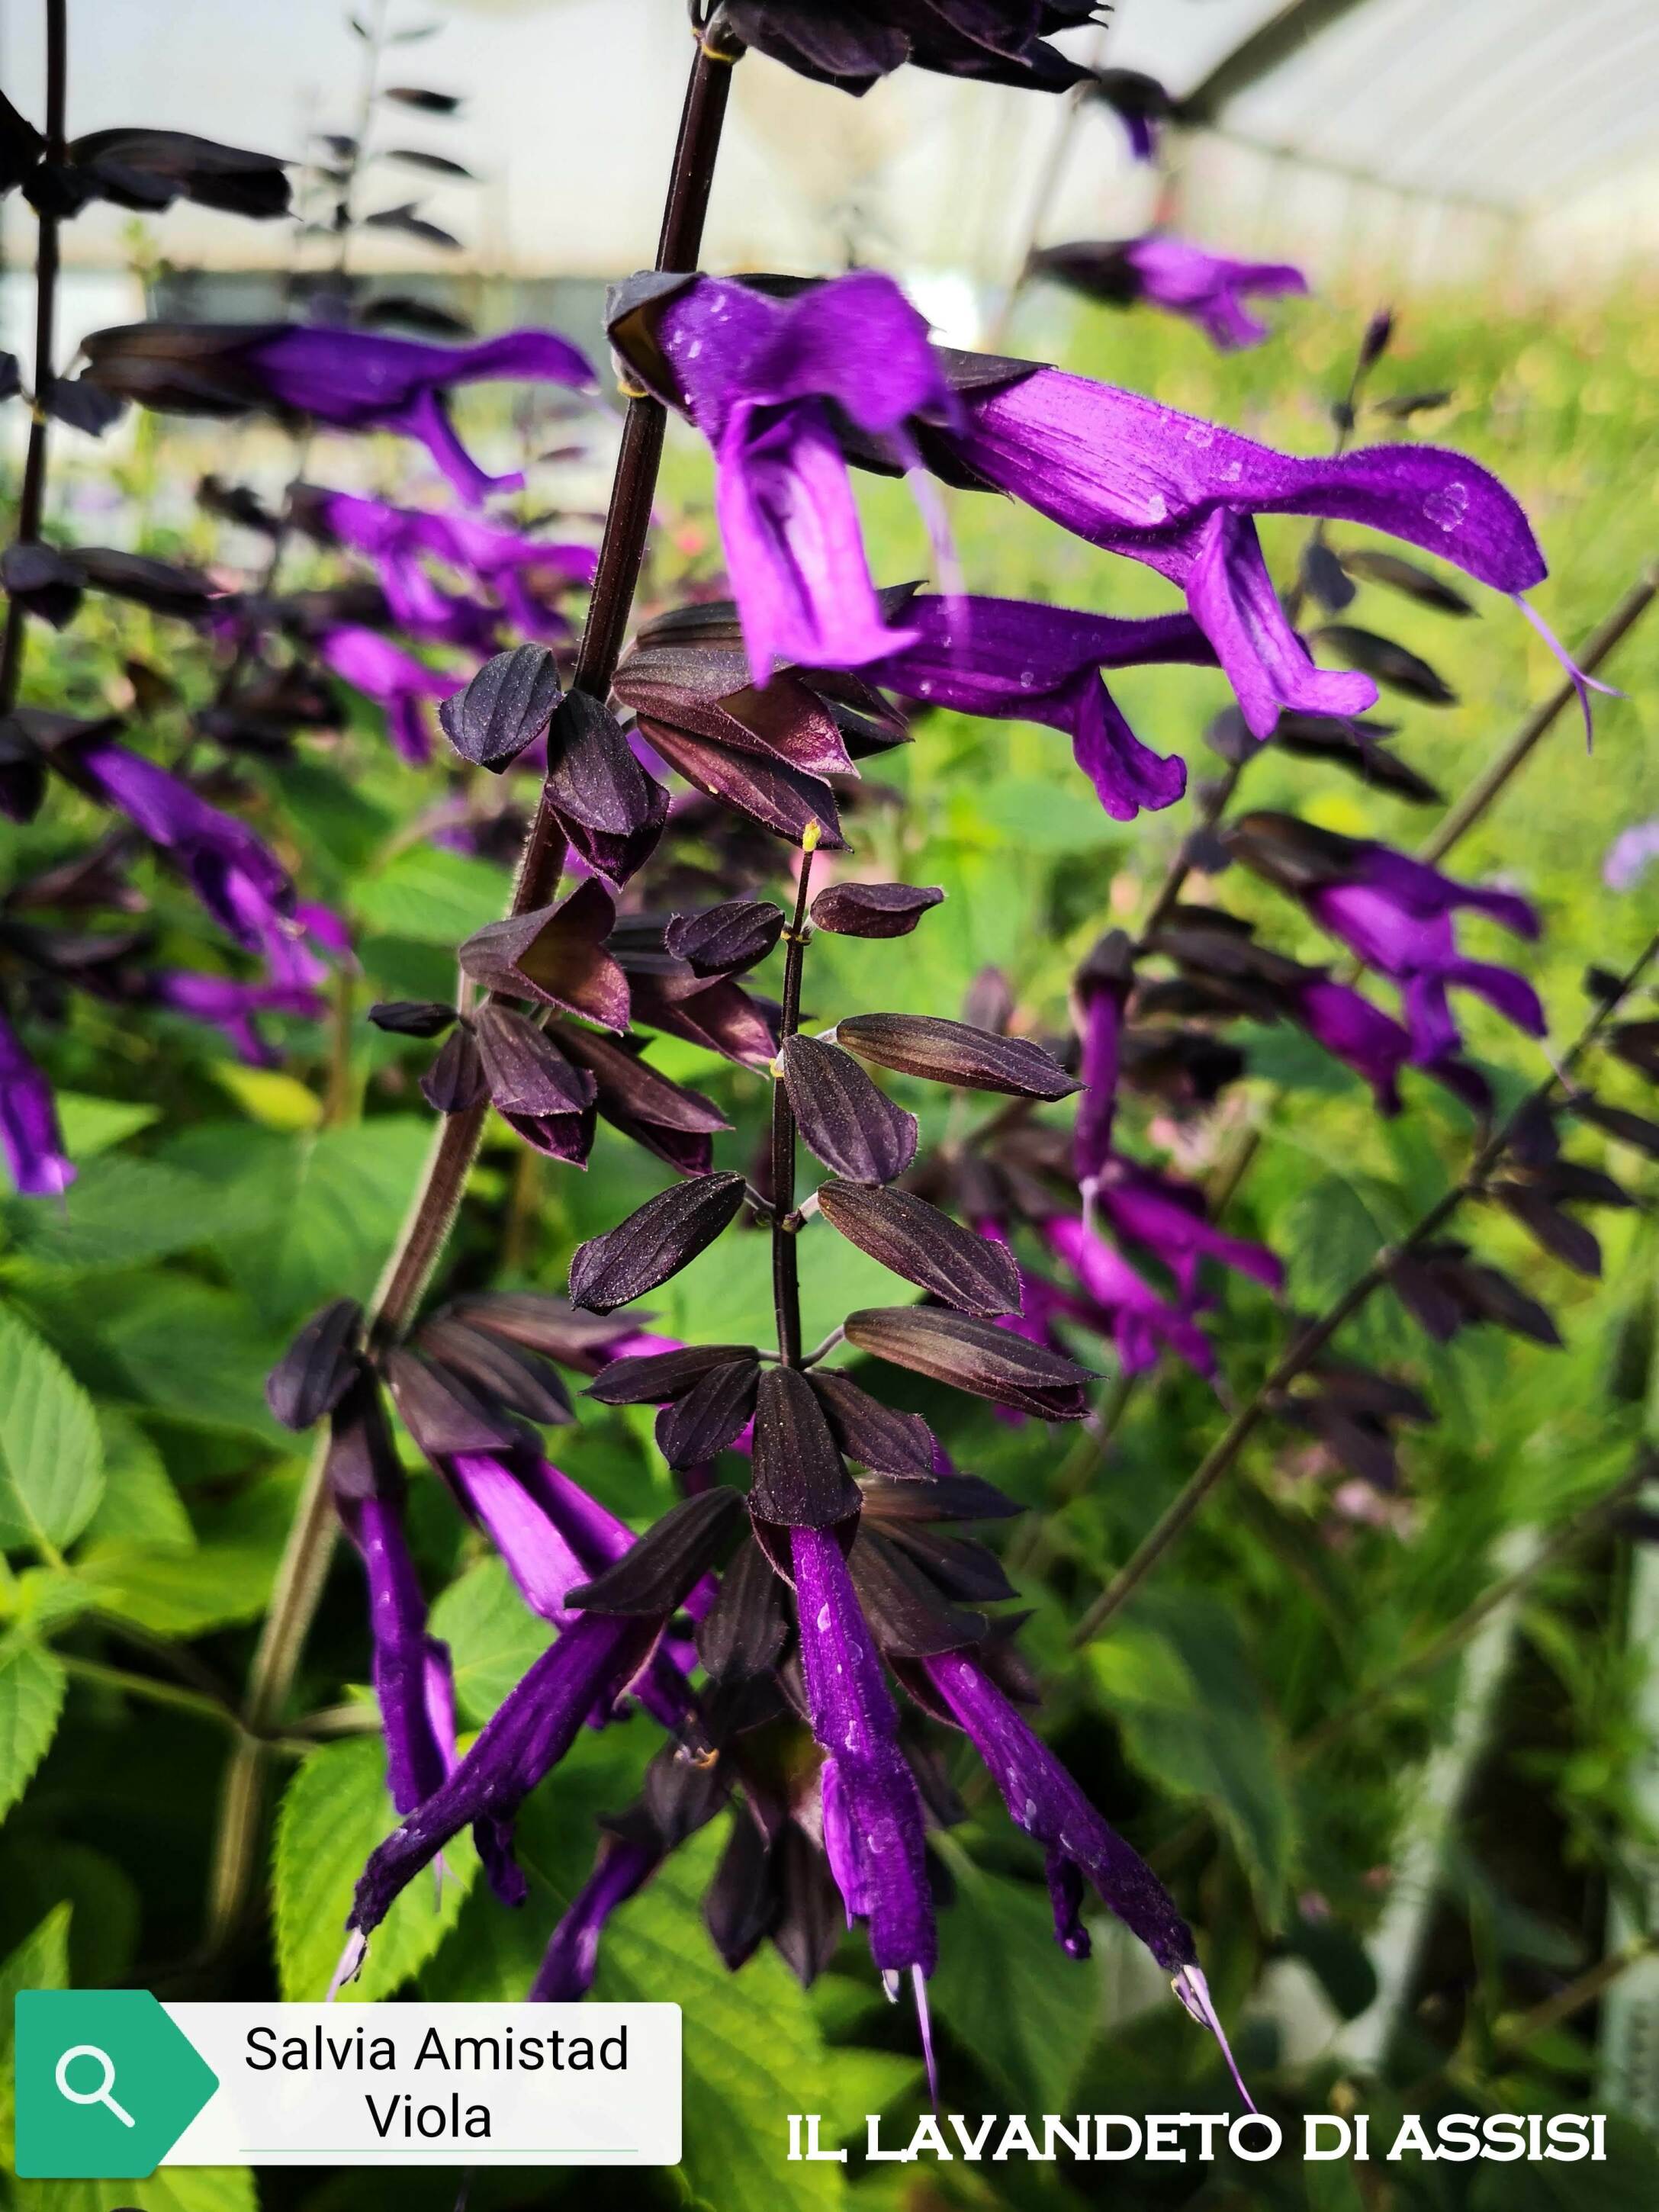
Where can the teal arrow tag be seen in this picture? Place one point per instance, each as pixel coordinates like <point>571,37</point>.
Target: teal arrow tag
<point>106,2084</point>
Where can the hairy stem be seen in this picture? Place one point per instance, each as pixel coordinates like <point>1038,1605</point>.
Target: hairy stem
<point>31,499</point>
<point>786,1222</point>
<point>437,1201</point>
<point>1309,1342</point>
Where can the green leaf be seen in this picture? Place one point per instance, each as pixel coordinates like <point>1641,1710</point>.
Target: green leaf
<point>51,1453</point>
<point>492,1636</point>
<point>432,895</point>
<point>226,1577</point>
<point>268,1097</point>
<point>1176,1681</point>
<point>32,1682</point>
<point>334,1812</point>
<point>321,1212</point>
<point>1029,813</point>
<point>1006,1990</point>
<point>140,1505</point>
<point>752,2050</point>
<point>195,1350</point>
<point>39,1962</point>
<point>170,2189</point>
<point>118,1211</point>
<point>92,1126</point>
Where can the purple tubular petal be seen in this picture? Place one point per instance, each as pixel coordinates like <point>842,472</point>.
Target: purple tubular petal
<point>1359,1035</point>
<point>593,1661</point>
<point>754,375</point>
<point>873,1815</point>
<point>238,879</point>
<point>1046,1803</point>
<point>1209,289</point>
<point>1141,1320</point>
<point>1154,1212</point>
<point>1096,1108</point>
<point>1022,661</point>
<point>411,1668</point>
<point>232,1006</point>
<point>572,1956</point>
<point>554,1537</point>
<point>29,1134</point>
<point>1178,493</point>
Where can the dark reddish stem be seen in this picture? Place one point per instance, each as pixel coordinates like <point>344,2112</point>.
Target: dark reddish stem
<point>621,552</point>
<point>31,505</point>
<point>785,1223</point>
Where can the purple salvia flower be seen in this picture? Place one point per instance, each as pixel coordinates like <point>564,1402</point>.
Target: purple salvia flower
<point>1103,988</point>
<point>1180,495</point>
<point>1395,914</point>
<point>29,1134</point>
<point>345,380</point>
<point>1167,1218</point>
<point>1046,1803</point>
<point>395,679</point>
<point>1021,661</point>
<point>234,1007</point>
<point>759,376</point>
<point>236,877</point>
<point>873,1815</point>
<point>1140,1323</point>
<point>413,1683</point>
<point>592,1664</point>
<point>1207,288</point>
<point>624,1865</point>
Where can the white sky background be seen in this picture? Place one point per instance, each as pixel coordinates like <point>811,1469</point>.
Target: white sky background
<point>571,107</point>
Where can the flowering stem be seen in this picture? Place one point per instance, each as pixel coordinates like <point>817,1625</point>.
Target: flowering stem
<point>1311,1341</point>
<point>31,499</point>
<point>786,1222</point>
<point>432,1214</point>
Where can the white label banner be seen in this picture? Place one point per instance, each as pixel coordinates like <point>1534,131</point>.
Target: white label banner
<point>435,2085</point>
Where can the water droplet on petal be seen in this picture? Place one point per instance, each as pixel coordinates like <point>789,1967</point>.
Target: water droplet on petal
<point>1446,508</point>
<point>1027,678</point>
<point>823,1619</point>
<point>1232,472</point>
<point>1200,434</point>
<point>1158,507</point>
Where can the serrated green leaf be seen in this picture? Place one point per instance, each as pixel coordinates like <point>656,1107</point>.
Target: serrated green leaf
<point>492,1636</point>
<point>434,896</point>
<point>195,1350</point>
<point>319,1216</point>
<point>334,1812</point>
<point>226,1577</point>
<point>1006,1990</point>
<point>118,1211</point>
<point>140,1505</point>
<point>39,1962</point>
<point>51,1453</point>
<point>32,1682</point>
<point>268,1097</point>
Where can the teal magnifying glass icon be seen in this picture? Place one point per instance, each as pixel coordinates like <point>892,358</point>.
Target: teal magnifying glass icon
<point>102,2094</point>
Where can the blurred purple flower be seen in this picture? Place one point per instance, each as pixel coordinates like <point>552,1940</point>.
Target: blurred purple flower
<point>1208,288</point>
<point>624,1865</point>
<point>234,1007</point>
<point>236,877</point>
<point>29,1134</point>
<point>346,379</point>
<point>1630,855</point>
<point>396,680</point>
